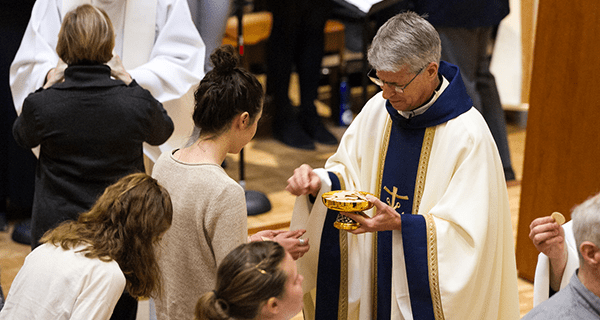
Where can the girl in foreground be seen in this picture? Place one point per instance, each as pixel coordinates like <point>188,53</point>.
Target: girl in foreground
<point>209,208</point>
<point>83,266</point>
<point>258,280</point>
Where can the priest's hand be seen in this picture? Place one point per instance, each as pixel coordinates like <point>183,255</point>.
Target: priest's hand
<point>304,181</point>
<point>548,237</point>
<point>56,74</point>
<point>385,218</point>
<point>117,70</point>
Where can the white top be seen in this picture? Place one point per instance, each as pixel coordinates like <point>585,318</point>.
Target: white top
<point>63,284</point>
<point>174,66</point>
<point>363,5</point>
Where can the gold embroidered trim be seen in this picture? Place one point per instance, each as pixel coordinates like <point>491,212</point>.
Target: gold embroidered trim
<point>384,147</point>
<point>434,282</point>
<point>309,307</point>
<point>343,238</point>
<point>342,182</point>
<point>422,171</point>
<point>374,279</point>
<point>343,298</point>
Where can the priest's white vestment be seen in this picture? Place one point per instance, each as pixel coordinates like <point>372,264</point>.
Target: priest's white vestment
<point>463,197</point>
<point>157,42</point>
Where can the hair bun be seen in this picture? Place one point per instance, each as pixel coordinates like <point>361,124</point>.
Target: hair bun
<point>222,306</point>
<point>224,59</point>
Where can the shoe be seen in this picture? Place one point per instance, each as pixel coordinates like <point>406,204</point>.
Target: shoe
<point>509,174</point>
<point>22,232</point>
<point>3,223</point>
<point>293,135</point>
<point>318,133</point>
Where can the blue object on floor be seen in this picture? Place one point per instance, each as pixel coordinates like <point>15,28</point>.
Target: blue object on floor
<point>22,232</point>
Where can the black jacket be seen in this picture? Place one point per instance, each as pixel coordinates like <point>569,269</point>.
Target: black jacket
<point>90,129</point>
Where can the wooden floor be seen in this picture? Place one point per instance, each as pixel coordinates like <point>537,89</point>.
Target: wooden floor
<point>268,164</point>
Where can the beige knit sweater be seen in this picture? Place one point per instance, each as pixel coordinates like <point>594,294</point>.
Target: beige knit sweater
<point>209,220</point>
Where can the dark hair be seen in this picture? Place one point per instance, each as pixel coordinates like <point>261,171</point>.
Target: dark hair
<point>86,36</point>
<point>123,225</point>
<point>247,277</point>
<point>224,92</point>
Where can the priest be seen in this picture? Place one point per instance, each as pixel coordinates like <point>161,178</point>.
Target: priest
<point>439,242</point>
<point>156,40</point>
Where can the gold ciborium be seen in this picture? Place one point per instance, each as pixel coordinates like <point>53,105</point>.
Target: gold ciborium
<point>346,201</point>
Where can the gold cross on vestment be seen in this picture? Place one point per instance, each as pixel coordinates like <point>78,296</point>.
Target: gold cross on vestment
<point>394,195</point>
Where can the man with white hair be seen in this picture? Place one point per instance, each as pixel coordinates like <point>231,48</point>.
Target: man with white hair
<point>580,299</point>
<point>557,260</point>
<point>439,244</point>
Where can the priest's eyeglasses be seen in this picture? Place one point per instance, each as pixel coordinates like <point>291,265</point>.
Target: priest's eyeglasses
<point>372,74</point>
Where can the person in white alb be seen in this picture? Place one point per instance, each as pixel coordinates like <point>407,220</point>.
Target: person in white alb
<point>439,242</point>
<point>580,298</point>
<point>156,40</point>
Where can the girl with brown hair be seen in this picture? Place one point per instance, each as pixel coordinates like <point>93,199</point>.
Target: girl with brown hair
<point>257,280</point>
<point>83,266</point>
<point>210,217</point>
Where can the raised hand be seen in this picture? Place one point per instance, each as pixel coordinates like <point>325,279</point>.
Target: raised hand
<point>304,181</point>
<point>549,238</point>
<point>56,74</point>
<point>117,70</point>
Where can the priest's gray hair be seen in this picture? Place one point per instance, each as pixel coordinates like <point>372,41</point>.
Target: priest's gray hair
<point>586,223</point>
<point>405,39</point>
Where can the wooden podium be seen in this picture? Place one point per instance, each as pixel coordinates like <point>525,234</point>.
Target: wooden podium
<point>562,148</point>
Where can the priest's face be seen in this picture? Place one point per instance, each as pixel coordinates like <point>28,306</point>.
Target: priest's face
<point>416,88</point>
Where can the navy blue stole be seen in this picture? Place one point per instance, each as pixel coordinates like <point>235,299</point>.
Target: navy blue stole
<point>398,184</point>
<point>329,269</point>
<point>398,190</point>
